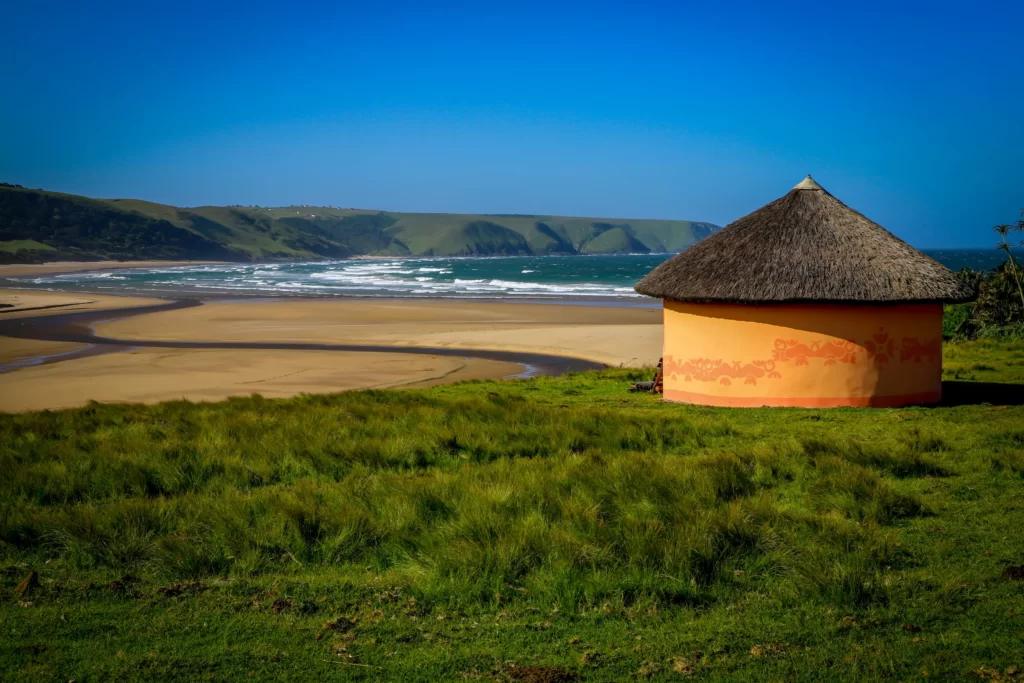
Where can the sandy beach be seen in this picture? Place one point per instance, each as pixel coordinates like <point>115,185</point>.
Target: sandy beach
<point>54,267</point>
<point>606,334</point>
<point>154,375</point>
<point>611,335</point>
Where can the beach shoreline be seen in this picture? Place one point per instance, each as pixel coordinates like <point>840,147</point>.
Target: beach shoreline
<point>242,297</point>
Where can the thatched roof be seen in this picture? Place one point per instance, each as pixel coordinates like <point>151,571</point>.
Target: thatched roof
<point>806,246</point>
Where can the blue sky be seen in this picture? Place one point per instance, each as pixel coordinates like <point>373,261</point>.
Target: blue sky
<point>909,112</point>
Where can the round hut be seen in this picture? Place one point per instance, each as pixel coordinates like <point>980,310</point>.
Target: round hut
<point>804,302</point>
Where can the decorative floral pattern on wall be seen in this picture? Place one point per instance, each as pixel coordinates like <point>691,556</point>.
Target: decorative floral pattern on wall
<point>707,370</point>
<point>834,351</point>
<point>880,349</point>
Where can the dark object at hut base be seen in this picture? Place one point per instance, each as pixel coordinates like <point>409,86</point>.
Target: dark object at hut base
<point>655,386</point>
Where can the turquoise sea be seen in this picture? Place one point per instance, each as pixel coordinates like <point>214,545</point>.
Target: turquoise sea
<point>511,277</point>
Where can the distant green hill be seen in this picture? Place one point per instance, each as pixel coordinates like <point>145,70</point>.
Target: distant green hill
<point>38,225</point>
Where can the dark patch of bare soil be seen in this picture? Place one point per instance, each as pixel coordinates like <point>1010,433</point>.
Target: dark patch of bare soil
<point>541,674</point>
<point>177,589</point>
<point>1014,573</point>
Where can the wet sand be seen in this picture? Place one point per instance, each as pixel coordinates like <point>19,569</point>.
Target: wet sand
<point>16,303</point>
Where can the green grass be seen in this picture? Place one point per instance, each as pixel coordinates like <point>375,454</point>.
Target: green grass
<point>23,245</point>
<point>468,531</point>
<point>984,360</point>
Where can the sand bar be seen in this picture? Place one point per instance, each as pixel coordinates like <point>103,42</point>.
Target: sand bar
<point>18,303</point>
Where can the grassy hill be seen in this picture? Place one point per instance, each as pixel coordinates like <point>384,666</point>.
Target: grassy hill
<point>69,226</point>
<point>38,225</point>
<point>551,529</point>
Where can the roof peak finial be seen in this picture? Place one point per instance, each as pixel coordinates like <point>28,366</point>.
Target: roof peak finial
<point>808,183</point>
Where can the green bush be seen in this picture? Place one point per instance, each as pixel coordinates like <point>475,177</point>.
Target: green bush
<point>954,319</point>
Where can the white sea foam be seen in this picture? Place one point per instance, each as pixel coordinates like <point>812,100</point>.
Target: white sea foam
<point>94,275</point>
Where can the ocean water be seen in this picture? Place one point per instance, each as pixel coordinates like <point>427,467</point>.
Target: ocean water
<point>505,277</point>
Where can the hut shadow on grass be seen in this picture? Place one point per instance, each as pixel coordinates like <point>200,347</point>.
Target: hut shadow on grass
<point>956,393</point>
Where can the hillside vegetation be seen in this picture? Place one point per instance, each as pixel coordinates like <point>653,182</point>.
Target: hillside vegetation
<point>37,225</point>
<point>551,529</point>
<point>998,311</point>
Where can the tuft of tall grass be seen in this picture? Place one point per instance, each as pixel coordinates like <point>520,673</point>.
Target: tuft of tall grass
<point>908,460</point>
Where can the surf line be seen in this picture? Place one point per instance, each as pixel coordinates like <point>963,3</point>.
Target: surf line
<point>77,328</point>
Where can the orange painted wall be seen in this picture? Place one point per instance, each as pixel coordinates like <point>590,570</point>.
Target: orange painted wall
<point>808,355</point>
